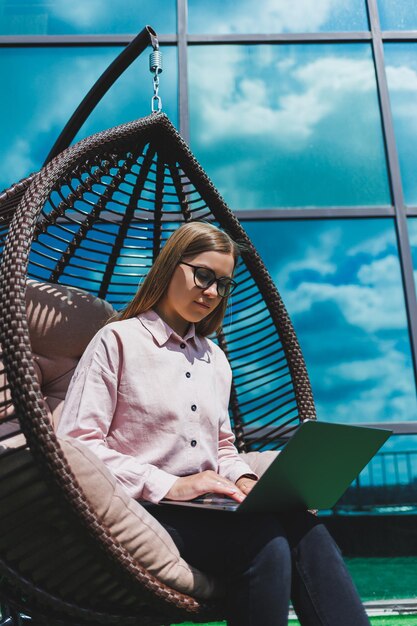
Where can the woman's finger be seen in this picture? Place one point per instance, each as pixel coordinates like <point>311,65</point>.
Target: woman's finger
<point>227,488</point>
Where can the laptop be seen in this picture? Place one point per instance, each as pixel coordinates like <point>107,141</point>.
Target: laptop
<point>313,470</point>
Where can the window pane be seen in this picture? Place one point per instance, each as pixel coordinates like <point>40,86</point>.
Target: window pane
<point>401,68</point>
<point>288,125</point>
<point>341,284</point>
<point>412,230</point>
<point>61,17</point>
<point>289,16</point>
<point>45,86</point>
<point>398,14</point>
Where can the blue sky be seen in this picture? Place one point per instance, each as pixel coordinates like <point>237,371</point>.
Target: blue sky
<point>341,284</point>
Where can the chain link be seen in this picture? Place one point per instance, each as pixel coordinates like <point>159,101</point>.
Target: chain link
<point>156,102</point>
<point>155,67</point>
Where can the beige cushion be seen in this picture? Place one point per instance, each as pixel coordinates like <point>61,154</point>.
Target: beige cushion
<point>62,321</point>
<point>138,531</point>
<point>131,524</point>
<point>259,461</point>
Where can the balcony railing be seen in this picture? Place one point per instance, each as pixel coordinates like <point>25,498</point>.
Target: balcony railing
<point>389,479</point>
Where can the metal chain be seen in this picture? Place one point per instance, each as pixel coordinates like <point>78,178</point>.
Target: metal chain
<point>155,67</point>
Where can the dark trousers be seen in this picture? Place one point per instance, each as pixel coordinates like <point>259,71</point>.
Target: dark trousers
<point>265,560</point>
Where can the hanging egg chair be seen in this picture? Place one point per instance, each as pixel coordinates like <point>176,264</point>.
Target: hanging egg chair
<point>79,236</point>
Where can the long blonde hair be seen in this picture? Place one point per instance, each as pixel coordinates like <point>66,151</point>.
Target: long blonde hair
<point>188,240</point>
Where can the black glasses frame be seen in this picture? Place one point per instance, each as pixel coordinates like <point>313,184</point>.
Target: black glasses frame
<point>224,282</point>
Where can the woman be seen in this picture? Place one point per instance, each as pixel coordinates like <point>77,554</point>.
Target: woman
<point>150,398</point>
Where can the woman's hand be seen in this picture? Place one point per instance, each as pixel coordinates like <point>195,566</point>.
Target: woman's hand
<point>245,484</point>
<point>189,487</point>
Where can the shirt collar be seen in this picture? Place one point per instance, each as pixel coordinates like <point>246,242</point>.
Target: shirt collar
<point>160,330</point>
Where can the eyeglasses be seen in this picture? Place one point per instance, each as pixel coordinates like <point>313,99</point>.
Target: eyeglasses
<point>204,277</point>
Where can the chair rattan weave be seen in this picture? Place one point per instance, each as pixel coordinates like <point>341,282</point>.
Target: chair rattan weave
<point>96,217</point>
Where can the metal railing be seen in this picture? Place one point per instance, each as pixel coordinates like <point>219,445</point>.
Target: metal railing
<point>389,479</point>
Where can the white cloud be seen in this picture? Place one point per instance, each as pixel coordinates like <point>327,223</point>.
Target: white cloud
<point>240,106</point>
<point>402,82</point>
<point>383,273</point>
<point>337,75</point>
<point>380,387</point>
<point>81,74</point>
<point>388,394</point>
<point>377,383</point>
<point>371,299</point>
<point>401,78</point>
<point>373,246</point>
<point>80,13</point>
<point>372,406</point>
<point>382,368</point>
<point>366,307</point>
<point>17,159</point>
<point>316,257</point>
<point>283,16</point>
<point>283,65</point>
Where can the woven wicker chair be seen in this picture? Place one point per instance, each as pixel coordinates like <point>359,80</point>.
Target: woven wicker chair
<point>96,217</point>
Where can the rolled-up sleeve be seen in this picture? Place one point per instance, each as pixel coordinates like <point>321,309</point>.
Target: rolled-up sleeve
<point>89,408</point>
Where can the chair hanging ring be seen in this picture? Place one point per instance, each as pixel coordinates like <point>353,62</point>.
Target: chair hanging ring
<point>155,67</point>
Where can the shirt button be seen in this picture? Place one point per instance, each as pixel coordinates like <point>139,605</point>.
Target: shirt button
<point>194,407</point>
<point>193,443</point>
<point>188,375</point>
<point>182,346</point>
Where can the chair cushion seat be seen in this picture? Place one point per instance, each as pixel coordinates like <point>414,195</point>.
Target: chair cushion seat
<point>135,528</point>
<point>62,321</point>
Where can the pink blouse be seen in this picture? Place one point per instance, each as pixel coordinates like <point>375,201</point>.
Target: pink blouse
<point>153,405</point>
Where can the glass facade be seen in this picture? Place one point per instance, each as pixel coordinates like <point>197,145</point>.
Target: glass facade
<point>341,283</point>
<point>398,14</point>
<point>303,113</point>
<point>58,17</point>
<point>289,125</point>
<point>297,16</point>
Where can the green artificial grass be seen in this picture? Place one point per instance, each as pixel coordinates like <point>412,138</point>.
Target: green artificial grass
<point>384,578</point>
